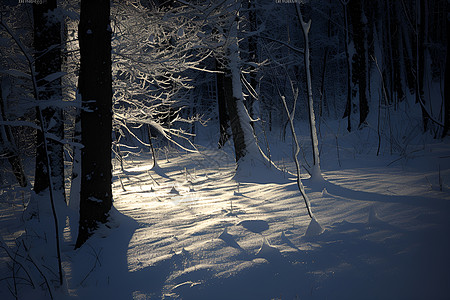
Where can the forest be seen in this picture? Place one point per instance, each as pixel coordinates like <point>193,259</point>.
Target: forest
<point>224,149</point>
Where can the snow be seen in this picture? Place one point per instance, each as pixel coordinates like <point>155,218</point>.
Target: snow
<point>54,76</point>
<point>314,228</point>
<point>188,230</point>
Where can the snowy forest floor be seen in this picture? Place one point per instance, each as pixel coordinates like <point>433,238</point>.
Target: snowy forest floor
<point>188,230</point>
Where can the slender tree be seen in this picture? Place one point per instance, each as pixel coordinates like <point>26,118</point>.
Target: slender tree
<point>323,99</point>
<point>253,54</point>
<point>306,26</point>
<point>95,86</point>
<point>421,15</point>
<point>447,85</point>
<point>348,106</point>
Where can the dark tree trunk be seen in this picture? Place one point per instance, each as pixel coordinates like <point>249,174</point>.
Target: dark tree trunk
<point>407,47</point>
<point>47,42</point>
<point>397,52</point>
<point>253,57</point>
<point>95,85</point>
<point>322,102</point>
<point>236,127</point>
<point>224,92</point>
<point>360,58</point>
<point>420,94</point>
<point>348,106</point>
<point>8,147</point>
<point>447,85</point>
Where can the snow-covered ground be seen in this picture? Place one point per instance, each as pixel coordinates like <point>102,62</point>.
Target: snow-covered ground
<point>188,230</point>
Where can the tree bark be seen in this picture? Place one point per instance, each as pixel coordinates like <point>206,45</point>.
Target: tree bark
<point>348,106</point>
<point>224,93</point>
<point>8,147</point>
<point>253,55</point>
<point>95,85</point>
<point>235,104</point>
<point>47,41</point>
<point>420,40</point>
<point>447,86</point>
<point>306,26</point>
<point>323,99</point>
<point>360,58</point>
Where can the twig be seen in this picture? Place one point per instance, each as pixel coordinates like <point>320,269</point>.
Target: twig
<point>30,257</point>
<point>95,264</point>
<point>6,248</point>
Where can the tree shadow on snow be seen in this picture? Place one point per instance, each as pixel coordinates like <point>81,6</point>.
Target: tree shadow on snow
<point>380,261</point>
<point>100,266</point>
<point>335,190</point>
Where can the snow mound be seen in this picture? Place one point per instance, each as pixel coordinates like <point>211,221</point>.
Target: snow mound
<point>252,169</point>
<point>314,228</point>
<point>288,242</point>
<point>174,191</point>
<point>268,251</point>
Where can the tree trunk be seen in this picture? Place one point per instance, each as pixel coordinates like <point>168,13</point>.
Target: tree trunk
<point>47,41</point>
<point>348,106</point>
<point>397,53</point>
<point>8,147</point>
<point>408,53</point>
<point>420,68</point>
<point>316,173</point>
<point>447,85</point>
<point>95,85</point>
<point>323,99</point>
<point>224,93</point>
<point>235,104</point>
<point>243,137</point>
<point>253,56</point>
<point>360,58</point>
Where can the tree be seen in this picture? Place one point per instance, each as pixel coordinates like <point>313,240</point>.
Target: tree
<point>447,85</point>
<point>349,103</point>
<point>154,59</point>
<point>95,88</point>
<point>306,26</point>
<point>47,42</point>
<point>421,15</point>
<point>360,59</point>
<point>240,122</point>
<point>8,147</point>
<point>252,53</point>
<point>224,92</point>
<point>239,119</point>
